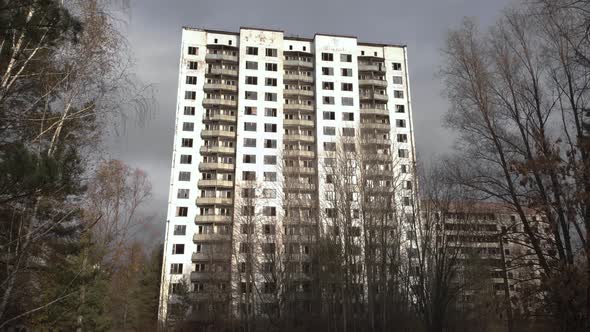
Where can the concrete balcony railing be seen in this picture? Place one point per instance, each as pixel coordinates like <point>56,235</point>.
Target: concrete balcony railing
<point>213,219</point>
<point>220,102</point>
<point>221,57</point>
<point>218,133</point>
<point>214,201</point>
<point>215,167</point>
<point>296,107</point>
<point>298,63</point>
<point>208,256</point>
<point>378,126</point>
<point>299,153</point>
<point>298,92</point>
<point>374,111</point>
<point>298,123</point>
<point>298,186</point>
<point>211,237</point>
<point>217,149</point>
<point>375,97</point>
<point>371,67</point>
<point>219,86</point>
<point>373,82</point>
<point>219,118</point>
<point>300,170</point>
<point>299,138</point>
<point>376,141</point>
<point>215,184</point>
<point>201,276</point>
<point>298,78</point>
<point>223,72</point>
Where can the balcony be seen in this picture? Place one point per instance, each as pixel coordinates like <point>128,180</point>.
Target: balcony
<point>211,237</point>
<point>371,67</point>
<point>220,102</point>
<point>218,133</point>
<point>376,141</point>
<point>217,149</point>
<point>298,123</point>
<point>299,138</point>
<point>298,78</point>
<point>213,219</point>
<point>376,126</point>
<point>299,186</point>
<point>215,184</point>
<point>214,201</point>
<point>374,111</point>
<point>221,57</point>
<point>300,170</point>
<point>216,167</point>
<point>296,107</point>
<point>299,153</point>
<point>298,63</point>
<point>374,96</point>
<point>220,87</point>
<point>223,72</point>
<point>203,276</point>
<point>373,82</point>
<point>211,256</point>
<point>298,92</point>
<point>219,118</point>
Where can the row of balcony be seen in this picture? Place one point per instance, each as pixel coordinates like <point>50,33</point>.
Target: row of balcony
<point>298,63</point>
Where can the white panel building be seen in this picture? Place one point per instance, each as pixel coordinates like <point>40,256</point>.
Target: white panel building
<point>258,113</point>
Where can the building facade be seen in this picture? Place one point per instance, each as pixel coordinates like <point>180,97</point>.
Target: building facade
<point>260,118</point>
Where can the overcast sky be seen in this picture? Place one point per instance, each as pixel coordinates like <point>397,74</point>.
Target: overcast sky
<point>154,32</point>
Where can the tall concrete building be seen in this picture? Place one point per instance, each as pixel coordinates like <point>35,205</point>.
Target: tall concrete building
<point>258,110</point>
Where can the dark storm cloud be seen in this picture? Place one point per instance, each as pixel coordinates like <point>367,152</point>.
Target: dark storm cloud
<point>155,31</point>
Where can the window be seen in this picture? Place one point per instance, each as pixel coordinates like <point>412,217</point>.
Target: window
<point>329,178</point>
<point>329,116</point>
<point>251,80</point>
<point>272,112</point>
<point>247,210</point>
<point>252,50</point>
<point>400,123</point>
<point>269,96</point>
<point>396,66</point>
<point>271,52</point>
<point>270,176</point>
<point>346,72</point>
<point>249,159</point>
<point>248,176</point>
<point>403,153</point>
<point>244,247</point>
<point>329,71</point>
<point>406,201</point>
<point>248,192</point>
<point>192,50</point>
<point>269,193</point>
<point>270,143</point>
<point>270,160</point>
<point>178,249</point>
<point>402,138</point>
<point>404,168</point>
<point>247,228</point>
<point>270,81</point>
<point>347,101</point>
<point>184,176</point>
<point>348,132</point>
<point>268,229</point>
<point>348,116</point>
<point>398,94</point>
<point>182,211</point>
<point>176,268</point>
<point>327,57</point>
<point>188,126</point>
<point>400,109</point>
<point>329,131</point>
<point>179,229</point>
<point>251,95</point>
<point>250,142</point>
<point>187,143</point>
<point>182,193</point>
<point>250,110</point>
<point>328,100</point>
<point>345,57</point>
<point>249,126</point>
<point>398,80</point>
<point>189,110</point>
<point>349,147</point>
<point>328,85</point>
<point>271,66</point>
<point>270,128</point>
<point>268,248</point>
<point>192,65</point>
<point>329,146</point>
<point>191,80</point>
<point>251,65</point>
<point>346,86</point>
<point>269,211</point>
<point>190,95</point>
<point>186,159</point>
